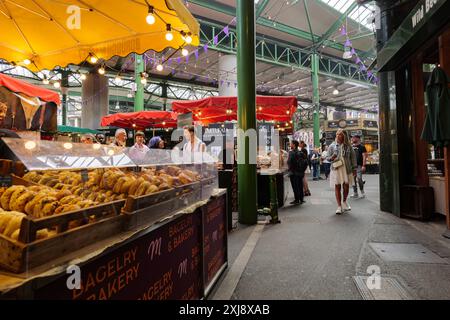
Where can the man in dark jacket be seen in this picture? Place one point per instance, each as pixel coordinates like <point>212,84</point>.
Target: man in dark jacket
<point>297,166</point>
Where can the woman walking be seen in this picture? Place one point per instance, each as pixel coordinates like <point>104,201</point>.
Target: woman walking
<point>343,169</point>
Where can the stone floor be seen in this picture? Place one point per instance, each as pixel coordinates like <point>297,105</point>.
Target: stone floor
<point>315,254</point>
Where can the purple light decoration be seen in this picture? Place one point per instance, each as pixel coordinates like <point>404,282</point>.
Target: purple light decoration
<point>196,54</point>
<point>234,20</point>
<point>178,60</point>
<point>353,51</point>
<point>343,31</point>
<point>358,60</point>
<point>226,30</point>
<point>169,62</point>
<point>205,48</point>
<point>348,43</point>
<point>221,82</point>
<point>187,59</point>
<point>215,40</point>
<point>370,74</point>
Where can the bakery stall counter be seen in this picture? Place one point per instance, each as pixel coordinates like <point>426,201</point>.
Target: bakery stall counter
<point>179,256</point>
<point>74,195</point>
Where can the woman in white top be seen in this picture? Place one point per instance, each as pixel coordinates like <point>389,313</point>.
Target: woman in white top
<point>194,147</point>
<point>139,151</point>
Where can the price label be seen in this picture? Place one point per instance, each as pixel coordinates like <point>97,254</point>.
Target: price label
<point>5,181</point>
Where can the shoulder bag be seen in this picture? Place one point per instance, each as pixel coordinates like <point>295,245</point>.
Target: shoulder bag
<point>338,163</point>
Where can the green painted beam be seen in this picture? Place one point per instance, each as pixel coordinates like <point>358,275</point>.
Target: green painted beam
<point>316,98</point>
<point>309,22</point>
<point>261,7</point>
<point>335,26</point>
<point>246,71</point>
<point>139,95</point>
<point>231,11</point>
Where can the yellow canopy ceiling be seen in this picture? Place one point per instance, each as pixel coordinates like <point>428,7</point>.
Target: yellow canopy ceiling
<point>54,33</point>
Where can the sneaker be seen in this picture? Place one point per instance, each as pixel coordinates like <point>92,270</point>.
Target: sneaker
<point>363,195</point>
<point>354,196</point>
<point>294,202</point>
<point>346,207</point>
<point>339,210</point>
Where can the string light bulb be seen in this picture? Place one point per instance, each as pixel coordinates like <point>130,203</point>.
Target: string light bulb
<point>83,77</point>
<point>169,34</point>
<point>150,17</point>
<point>118,78</point>
<point>92,59</point>
<point>27,62</point>
<point>57,84</point>
<point>188,39</point>
<point>101,70</point>
<point>185,52</point>
<point>159,67</point>
<point>45,80</point>
<point>144,78</point>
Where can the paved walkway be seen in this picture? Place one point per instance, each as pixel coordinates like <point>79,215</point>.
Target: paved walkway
<point>315,254</point>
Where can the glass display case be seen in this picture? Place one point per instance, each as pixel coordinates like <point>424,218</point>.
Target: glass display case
<point>74,194</point>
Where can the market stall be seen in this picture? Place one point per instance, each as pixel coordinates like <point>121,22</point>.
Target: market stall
<point>218,115</point>
<point>157,224</point>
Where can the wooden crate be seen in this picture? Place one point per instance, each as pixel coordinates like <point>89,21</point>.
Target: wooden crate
<point>17,256</point>
<point>136,203</point>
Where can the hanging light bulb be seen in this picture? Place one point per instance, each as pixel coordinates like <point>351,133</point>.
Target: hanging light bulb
<point>45,80</point>
<point>335,91</point>
<point>57,84</point>
<point>184,52</point>
<point>27,62</point>
<point>169,34</point>
<point>159,67</point>
<point>188,38</point>
<point>101,70</point>
<point>118,78</point>
<point>129,95</point>
<point>83,77</point>
<point>144,80</point>
<point>92,59</point>
<point>150,17</point>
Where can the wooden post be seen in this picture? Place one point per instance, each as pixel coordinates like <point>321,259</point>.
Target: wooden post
<point>419,115</point>
<point>444,59</point>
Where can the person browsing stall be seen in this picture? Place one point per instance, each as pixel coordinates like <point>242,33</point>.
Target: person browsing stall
<point>361,159</point>
<point>120,138</point>
<point>156,143</point>
<point>297,164</point>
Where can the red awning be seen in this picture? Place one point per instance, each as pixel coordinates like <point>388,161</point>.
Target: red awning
<point>19,86</point>
<point>220,109</point>
<point>141,120</point>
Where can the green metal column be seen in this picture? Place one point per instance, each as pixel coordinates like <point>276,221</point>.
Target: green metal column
<point>139,96</point>
<point>246,65</point>
<point>316,97</point>
<point>64,91</point>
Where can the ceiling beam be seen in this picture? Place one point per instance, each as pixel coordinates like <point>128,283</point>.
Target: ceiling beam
<point>261,7</point>
<point>335,26</point>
